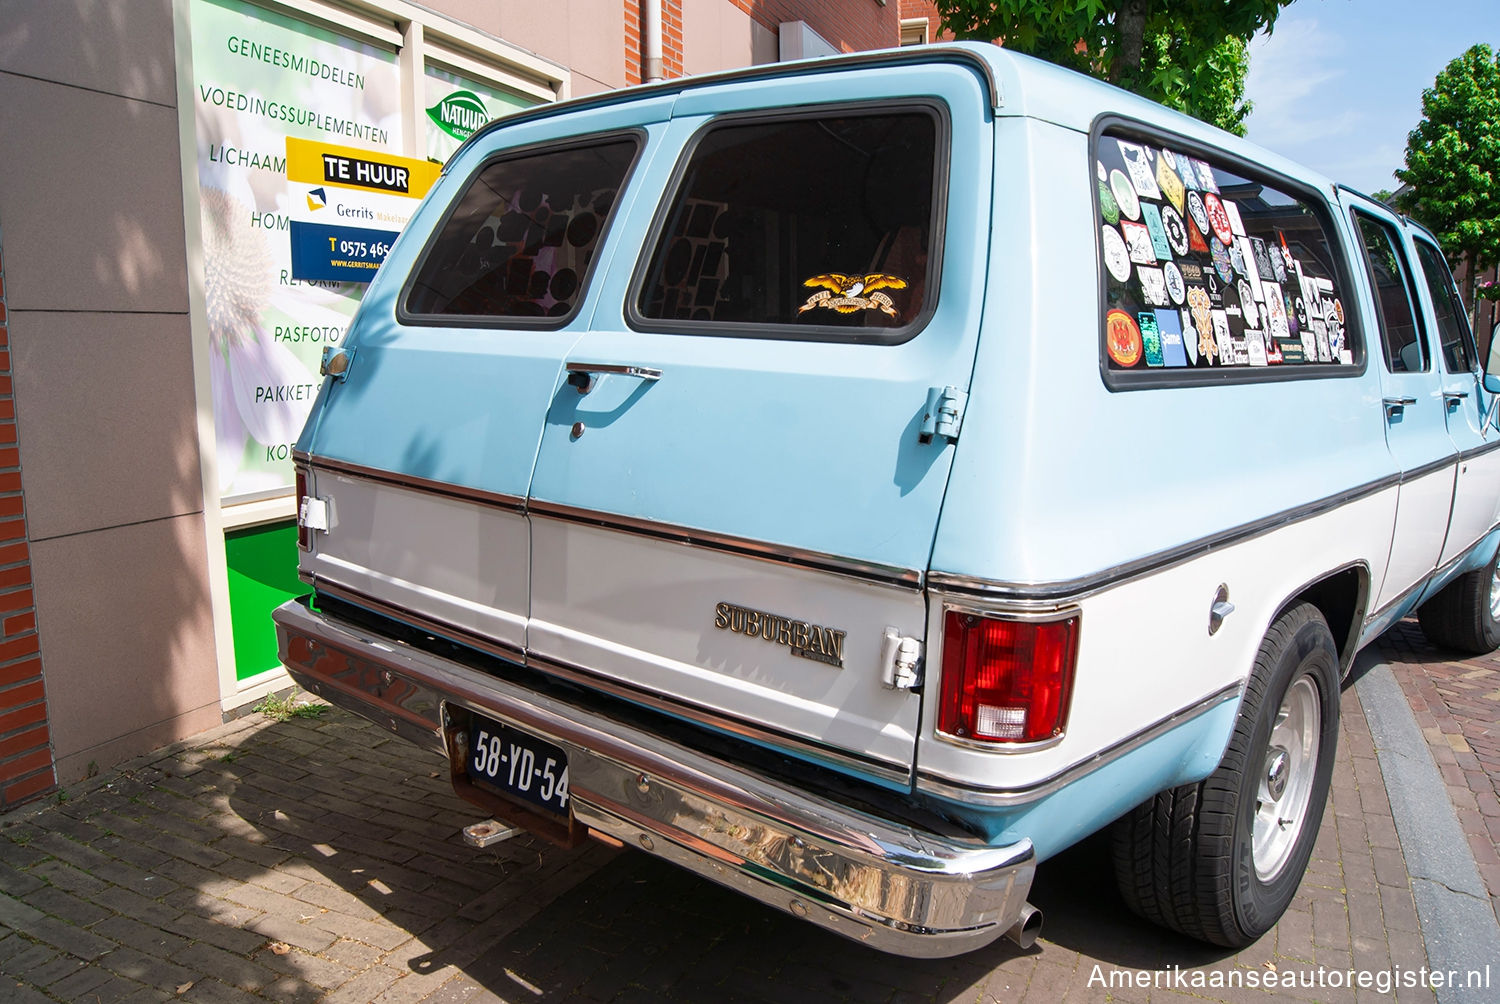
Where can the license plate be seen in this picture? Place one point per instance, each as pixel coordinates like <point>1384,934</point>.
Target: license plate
<point>520,765</point>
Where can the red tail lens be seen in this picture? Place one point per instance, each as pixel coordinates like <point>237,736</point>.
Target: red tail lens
<point>304,534</point>
<point>1006,681</point>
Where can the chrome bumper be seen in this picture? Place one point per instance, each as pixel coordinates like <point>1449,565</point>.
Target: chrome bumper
<point>882,883</point>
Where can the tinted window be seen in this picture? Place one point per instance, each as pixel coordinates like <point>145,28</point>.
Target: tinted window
<point>813,222</point>
<point>1208,270</point>
<point>1404,351</point>
<point>1452,325</point>
<point>520,240</point>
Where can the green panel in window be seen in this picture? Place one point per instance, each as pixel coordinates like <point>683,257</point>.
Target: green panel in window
<point>262,576</point>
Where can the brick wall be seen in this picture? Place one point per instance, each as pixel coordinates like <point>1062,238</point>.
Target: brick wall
<point>26,768</point>
<point>912,9</point>
<point>671,40</point>
<point>847,25</point>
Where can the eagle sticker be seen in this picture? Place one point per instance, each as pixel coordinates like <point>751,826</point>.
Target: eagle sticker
<point>849,293</point>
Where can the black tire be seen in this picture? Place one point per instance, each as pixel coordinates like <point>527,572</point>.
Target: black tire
<point>1462,615</point>
<point>1191,858</point>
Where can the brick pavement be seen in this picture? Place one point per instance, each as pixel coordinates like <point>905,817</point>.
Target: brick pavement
<point>1456,701</point>
<point>314,860</point>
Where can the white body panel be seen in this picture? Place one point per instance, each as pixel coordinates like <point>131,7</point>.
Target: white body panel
<point>1421,526</point>
<point>1144,648</point>
<point>1475,501</point>
<point>449,560</point>
<point>641,611</point>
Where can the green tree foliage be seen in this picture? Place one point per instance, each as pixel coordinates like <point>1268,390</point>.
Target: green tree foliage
<point>1188,54</point>
<point>1453,162</point>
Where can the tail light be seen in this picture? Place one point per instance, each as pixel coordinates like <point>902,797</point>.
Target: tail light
<point>1006,681</point>
<point>304,532</point>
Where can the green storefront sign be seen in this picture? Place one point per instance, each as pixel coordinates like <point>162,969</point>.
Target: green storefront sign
<point>459,115</point>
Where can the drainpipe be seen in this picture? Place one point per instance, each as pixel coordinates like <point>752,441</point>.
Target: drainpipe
<point>650,41</point>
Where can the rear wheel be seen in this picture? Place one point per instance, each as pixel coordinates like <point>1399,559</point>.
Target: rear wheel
<point>1221,859</point>
<point>1465,615</point>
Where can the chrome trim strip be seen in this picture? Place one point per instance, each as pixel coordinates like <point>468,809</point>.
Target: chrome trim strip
<point>757,733</point>
<point>513,503</point>
<point>980,795</point>
<point>401,615</point>
<point>745,546</point>
<point>1479,451</point>
<point>883,883</point>
<point>1451,460</point>
<point>1077,588</point>
<point>1399,599</point>
<point>1436,573</point>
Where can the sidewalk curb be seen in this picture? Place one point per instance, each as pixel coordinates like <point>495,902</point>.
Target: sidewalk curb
<point>1453,908</point>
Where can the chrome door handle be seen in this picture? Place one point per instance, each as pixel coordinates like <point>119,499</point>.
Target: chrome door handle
<point>1454,396</point>
<point>584,375</point>
<point>1395,404</point>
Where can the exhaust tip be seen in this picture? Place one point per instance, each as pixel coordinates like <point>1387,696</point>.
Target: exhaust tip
<point>1027,928</point>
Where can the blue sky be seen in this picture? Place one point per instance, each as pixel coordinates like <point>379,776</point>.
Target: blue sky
<point>1338,84</point>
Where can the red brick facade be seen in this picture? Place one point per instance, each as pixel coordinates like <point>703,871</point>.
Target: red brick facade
<point>671,40</point>
<point>847,25</point>
<point>913,9</point>
<point>25,742</point>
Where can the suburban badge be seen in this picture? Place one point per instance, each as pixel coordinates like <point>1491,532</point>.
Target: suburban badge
<point>806,641</point>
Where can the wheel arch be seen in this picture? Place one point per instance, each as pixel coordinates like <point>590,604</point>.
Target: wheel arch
<point>1342,596</point>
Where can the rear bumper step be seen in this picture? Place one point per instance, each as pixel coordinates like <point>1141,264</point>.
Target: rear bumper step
<point>883,883</point>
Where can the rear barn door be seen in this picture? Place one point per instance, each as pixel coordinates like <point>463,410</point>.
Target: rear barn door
<point>735,498</point>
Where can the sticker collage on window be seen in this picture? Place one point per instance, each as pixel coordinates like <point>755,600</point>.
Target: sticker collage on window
<point>1199,276</point>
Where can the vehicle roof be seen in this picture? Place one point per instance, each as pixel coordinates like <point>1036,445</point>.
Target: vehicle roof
<point>1019,85</point>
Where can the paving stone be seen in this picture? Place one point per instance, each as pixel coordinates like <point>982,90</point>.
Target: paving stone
<point>232,969</point>
<point>147,969</point>
<point>26,956</point>
<point>84,981</point>
<point>57,968</point>
<point>211,991</point>
<point>65,906</point>
<point>17,883</point>
<point>230,938</point>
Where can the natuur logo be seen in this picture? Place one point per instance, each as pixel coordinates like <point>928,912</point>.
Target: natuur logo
<point>459,114</point>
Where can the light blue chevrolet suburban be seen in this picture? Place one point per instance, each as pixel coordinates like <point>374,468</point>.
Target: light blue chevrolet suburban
<point>857,480</point>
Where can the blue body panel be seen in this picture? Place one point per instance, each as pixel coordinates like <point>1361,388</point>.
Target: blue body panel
<point>1188,752</point>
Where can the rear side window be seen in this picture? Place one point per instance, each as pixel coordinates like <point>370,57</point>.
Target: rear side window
<point>810,227</point>
<point>1209,273</point>
<point>1405,351</point>
<point>1452,325</point>
<point>520,241</point>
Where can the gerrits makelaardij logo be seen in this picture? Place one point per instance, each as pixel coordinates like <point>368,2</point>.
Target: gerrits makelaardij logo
<point>317,199</point>
<point>459,114</point>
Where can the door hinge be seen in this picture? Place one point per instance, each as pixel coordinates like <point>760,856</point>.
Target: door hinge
<point>900,660</point>
<point>313,513</point>
<point>944,414</point>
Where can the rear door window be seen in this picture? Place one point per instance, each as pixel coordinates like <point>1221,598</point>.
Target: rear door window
<point>806,226</point>
<point>520,242</point>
